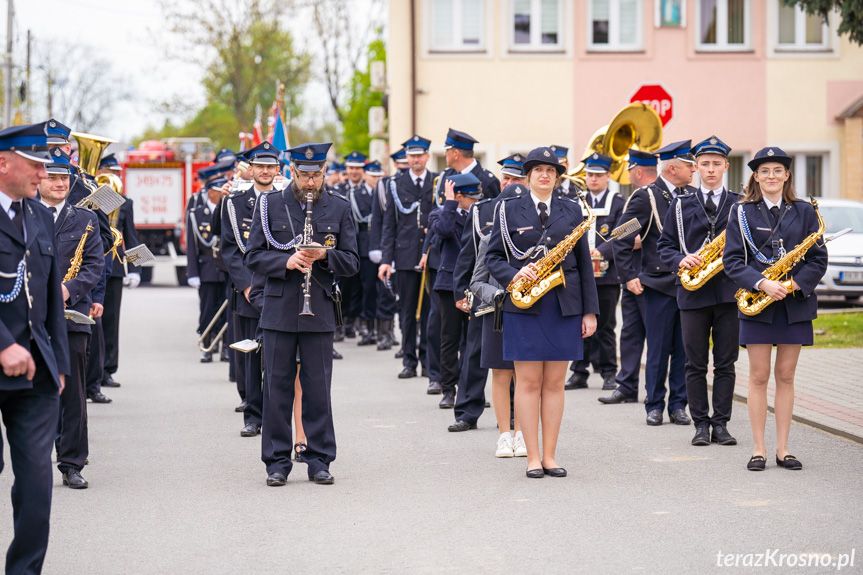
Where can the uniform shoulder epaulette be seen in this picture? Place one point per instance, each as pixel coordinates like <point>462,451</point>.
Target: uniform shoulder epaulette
<point>568,199</point>
<point>686,195</point>
<point>268,192</point>
<point>484,201</point>
<point>489,174</point>
<point>335,195</point>
<point>508,198</point>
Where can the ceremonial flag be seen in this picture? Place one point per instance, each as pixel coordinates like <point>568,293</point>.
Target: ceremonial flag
<point>280,137</point>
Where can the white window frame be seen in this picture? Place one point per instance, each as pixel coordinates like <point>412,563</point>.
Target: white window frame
<point>614,44</point>
<point>722,44</point>
<point>798,168</point>
<point>800,33</point>
<point>459,45</point>
<point>536,44</point>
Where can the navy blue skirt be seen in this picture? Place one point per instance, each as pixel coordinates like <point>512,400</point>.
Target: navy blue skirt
<point>491,356</point>
<point>777,332</point>
<point>548,336</point>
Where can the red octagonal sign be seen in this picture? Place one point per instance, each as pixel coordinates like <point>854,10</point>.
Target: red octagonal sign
<point>658,98</point>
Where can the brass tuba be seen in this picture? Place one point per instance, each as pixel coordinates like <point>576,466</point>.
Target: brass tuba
<point>635,126</point>
<point>90,150</point>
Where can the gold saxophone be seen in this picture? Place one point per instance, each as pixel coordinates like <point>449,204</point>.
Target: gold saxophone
<point>711,264</point>
<point>523,292</point>
<point>754,303</point>
<point>75,266</point>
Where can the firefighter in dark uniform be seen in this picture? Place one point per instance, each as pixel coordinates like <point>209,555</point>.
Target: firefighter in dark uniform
<point>362,201</point>
<point>607,206</point>
<point>72,226</point>
<point>656,280</point>
<point>34,349</point>
<point>386,305</point>
<point>238,209</point>
<point>122,219</point>
<point>567,188</point>
<point>201,268</point>
<point>405,222</point>
<point>278,227</point>
<point>709,313</point>
<point>352,287</point>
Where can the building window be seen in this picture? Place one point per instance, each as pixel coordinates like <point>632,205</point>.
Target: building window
<point>734,177</point>
<point>810,177</point>
<point>723,25</point>
<point>800,31</point>
<point>536,25</point>
<point>614,25</point>
<point>457,25</point>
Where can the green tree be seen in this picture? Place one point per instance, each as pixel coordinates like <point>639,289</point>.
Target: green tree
<point>850,12</point>
<point>355,112</point>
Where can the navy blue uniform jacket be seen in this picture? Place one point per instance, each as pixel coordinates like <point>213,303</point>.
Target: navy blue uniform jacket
<point>232,257</point>
<point>579,296</point>
<point>654,273</point>
<point>283,291</point>
<point>448,225</point>
<point>69,228</point>
<point>742,266</point>
<point>200,261</point>
<point>720,288</point>
<point>480,214</point>
<point>44,322</point>
<point>401,238</point>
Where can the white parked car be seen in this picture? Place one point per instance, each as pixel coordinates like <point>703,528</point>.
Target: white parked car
<point>844,275</point>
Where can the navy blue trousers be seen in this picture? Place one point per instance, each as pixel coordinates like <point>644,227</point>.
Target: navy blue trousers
<point>95,358</point>
<point>434,326</point>
<point>632,335</point>
<point>409,285</point>
<point>30,418</point>
<point>470,399</point>
<point>72,444</point>
<point>665,354</point>
<point>386,305</point>
<point>252,372</point>
<point>316,374</point>
<point>602,345</point>
<point>369,281</point>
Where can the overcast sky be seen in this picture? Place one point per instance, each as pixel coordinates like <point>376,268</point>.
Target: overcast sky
<point>131,35</point>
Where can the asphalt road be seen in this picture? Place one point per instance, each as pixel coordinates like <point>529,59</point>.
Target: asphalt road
<point>175,489</point>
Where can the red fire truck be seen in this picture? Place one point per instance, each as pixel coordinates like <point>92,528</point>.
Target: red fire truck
<point>160,177</point>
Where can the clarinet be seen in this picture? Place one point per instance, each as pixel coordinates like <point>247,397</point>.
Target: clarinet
<point>307,242</point>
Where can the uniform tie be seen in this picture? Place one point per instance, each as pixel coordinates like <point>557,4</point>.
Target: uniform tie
<point>543,213</point>
<point>709,205</point>
<point>419,184</point>
<point>775,211</point>
<point>18,218</point>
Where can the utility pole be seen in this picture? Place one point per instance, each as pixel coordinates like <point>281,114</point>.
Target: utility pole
<point>7,85</point>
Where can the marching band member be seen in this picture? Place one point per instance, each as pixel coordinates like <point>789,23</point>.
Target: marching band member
<point>362,206</point>
<point>201,268</point>
<point>769,222</point>
<point>656,280</point>
<point>75,230</point>
<point>642,171</point>
<point>279,226</point>
<point>565,185</point>
<point>405,223</point>
<point>539,339</point>
<point>708,314</point>
<point>607,206</point>
<point>34,349</point>
<point>352,287</point>
<point>470,396</point>
<point>448,224</point>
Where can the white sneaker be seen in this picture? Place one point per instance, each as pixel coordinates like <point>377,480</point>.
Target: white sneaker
<point>504,445</point>
<point>519,448</point>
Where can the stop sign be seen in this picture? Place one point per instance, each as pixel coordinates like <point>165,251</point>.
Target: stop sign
<point>658,98</point>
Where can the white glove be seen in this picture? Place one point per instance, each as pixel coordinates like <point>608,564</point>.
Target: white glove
<point>375,256</point>
<point>195,282</point>
<point>132,280</point>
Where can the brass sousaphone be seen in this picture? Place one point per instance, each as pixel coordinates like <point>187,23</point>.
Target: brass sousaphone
<point>636,126</point>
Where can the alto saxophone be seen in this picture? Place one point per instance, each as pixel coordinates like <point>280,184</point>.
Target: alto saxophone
<point>524,292</point>
<point>754,303</point>
<point>75,265</point>
<point>711,264</point>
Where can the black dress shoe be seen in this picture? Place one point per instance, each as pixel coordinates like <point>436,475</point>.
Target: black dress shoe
<point>789,462</point>
<point>206,357</point>
<point>336,355</point>
<point>679,417</point>
<point>535,473</point>
<point>350,332</point>
<point>654,417</point>
<point>555,471</point>
<point>722,437</point>
<point>73,479</point>
<point>98,397</point>
<point>339,335</point>
<point>608,383</point>
<point>368,339</point>
<point>434,388</point>
<point>225,354</point>
<point>408,373</point>
<point>487,405</point>
<point>461,425</point>
<point>323,477</point>
<point>276,479</point>
<point>250,430</point>
<point>242,407</point>
<point>756,463</point>
<point>448,401</point>
<point>576,381</point>
<point>617,397</point>
<point>109,382</point>
<point>400,354</point>
<point>702,435</point>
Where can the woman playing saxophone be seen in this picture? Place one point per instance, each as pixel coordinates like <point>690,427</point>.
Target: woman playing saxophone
<point>769,225</point>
